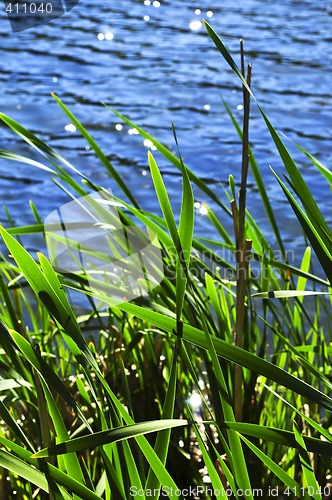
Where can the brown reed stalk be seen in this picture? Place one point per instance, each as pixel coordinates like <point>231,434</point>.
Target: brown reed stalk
<point>243,245</point>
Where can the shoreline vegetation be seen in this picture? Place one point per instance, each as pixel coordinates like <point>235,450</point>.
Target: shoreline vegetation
<point>214,380</point>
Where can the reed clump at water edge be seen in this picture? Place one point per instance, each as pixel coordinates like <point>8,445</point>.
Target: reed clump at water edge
<point>176,392</point>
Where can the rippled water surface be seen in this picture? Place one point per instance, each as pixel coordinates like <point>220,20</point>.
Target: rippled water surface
<point>156,64</point>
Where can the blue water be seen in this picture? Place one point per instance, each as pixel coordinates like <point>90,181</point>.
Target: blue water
<point>158,70</point>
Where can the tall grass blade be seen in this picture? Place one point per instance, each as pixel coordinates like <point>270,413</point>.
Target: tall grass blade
<point>285,479</point>
<point>109,436</point>
<point>104,160</point>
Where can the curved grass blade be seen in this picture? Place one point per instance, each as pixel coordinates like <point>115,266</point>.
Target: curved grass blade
<point>42,287</point>
<point>286,267</point>
<point>26,471</point>
<point>56,474</point>
<point>36,228</point>
<point>318,428</point>
<point>294,173</point>
<point>310,228</point>
<point>227,351</point>
<point>104,160</point>
<point>110,436</point>
<point>44,149</point>
<point>7,155</point>
<point>277,470</point>
<point>279,436</point>
<point>323,170</point>
<point>324,234</point>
